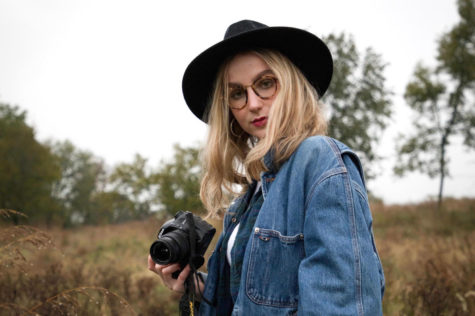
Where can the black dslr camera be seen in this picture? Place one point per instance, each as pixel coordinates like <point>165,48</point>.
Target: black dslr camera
<point>183,239</point>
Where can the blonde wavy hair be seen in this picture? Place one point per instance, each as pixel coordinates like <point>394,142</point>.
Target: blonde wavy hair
<point>232,158</point>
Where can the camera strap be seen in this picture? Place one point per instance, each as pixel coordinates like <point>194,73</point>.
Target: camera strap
<point>188,305</point>
<point>191,284</point>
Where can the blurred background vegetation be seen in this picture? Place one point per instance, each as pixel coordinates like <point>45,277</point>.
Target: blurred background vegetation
<point>100,220</point>
<point>428,259</point>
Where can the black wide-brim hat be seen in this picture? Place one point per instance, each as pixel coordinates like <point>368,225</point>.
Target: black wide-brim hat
<point>304,49</point>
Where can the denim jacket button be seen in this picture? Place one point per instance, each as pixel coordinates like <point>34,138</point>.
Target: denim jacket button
<point>256,230</point>
<point>233,219</point>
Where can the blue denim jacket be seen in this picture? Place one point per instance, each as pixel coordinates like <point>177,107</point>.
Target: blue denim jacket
<point>312,249</point>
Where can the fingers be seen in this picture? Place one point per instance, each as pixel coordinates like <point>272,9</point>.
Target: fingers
<point>167,270</point>
<point>162,270</point>
<point>184,274</point>
<point>177,285</point>
<point>152,266</point>
<point>151,263</point>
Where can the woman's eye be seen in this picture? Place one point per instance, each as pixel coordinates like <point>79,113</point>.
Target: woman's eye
<point>236,94</point>
<point>266,83</point>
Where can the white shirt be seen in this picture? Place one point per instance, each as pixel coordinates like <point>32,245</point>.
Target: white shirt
<point>232,238</point>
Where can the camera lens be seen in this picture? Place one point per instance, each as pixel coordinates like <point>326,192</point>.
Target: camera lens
<point>170,248</point>
<point>161,252</point>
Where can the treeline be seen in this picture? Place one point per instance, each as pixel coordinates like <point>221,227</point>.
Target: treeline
<point>57,183</point>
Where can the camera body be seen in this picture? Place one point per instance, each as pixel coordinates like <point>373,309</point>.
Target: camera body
<point>180,238</point>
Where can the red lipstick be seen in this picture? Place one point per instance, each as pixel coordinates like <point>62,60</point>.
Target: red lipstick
<point>260,121</point>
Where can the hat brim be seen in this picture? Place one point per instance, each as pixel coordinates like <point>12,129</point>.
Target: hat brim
<point>304,49</point>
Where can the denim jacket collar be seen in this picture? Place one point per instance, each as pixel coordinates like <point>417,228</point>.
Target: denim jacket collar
<point>268,160</point>
<point>267,177</point>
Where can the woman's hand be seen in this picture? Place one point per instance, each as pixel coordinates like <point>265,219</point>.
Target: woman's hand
<point>165,272</point>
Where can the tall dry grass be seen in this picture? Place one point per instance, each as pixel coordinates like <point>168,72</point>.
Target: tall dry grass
<point>428,259</point>
<point>85,271</point>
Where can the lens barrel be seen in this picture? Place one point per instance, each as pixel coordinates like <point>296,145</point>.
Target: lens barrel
<point>170,248</point>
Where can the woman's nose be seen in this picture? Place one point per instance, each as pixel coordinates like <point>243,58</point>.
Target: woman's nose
<point>253,100</point>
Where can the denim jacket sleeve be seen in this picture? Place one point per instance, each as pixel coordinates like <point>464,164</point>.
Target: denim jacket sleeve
<point>341,273</point>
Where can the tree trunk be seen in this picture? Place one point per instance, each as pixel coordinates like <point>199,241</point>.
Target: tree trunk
<point>442,172</point>
<point>454,100</point>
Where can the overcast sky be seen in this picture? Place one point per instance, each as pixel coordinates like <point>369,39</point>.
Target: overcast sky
<point>107,74</point>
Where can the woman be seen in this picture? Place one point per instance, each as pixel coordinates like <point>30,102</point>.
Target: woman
<point>299,238</point>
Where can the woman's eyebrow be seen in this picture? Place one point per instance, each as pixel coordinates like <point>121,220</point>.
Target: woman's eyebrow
<point>262,73</point>
<point>257,76</point>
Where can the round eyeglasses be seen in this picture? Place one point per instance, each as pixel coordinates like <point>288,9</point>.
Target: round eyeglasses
<point>264,87</point>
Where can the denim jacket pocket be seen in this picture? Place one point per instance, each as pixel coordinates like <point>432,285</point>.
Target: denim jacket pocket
<point>272,275</point>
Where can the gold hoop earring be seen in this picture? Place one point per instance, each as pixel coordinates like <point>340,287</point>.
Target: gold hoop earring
<point>231,127</point>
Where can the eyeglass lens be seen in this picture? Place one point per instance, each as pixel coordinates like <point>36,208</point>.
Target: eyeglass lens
<point>264,87</point>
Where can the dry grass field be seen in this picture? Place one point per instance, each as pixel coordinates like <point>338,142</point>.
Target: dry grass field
<point>428,257</point>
